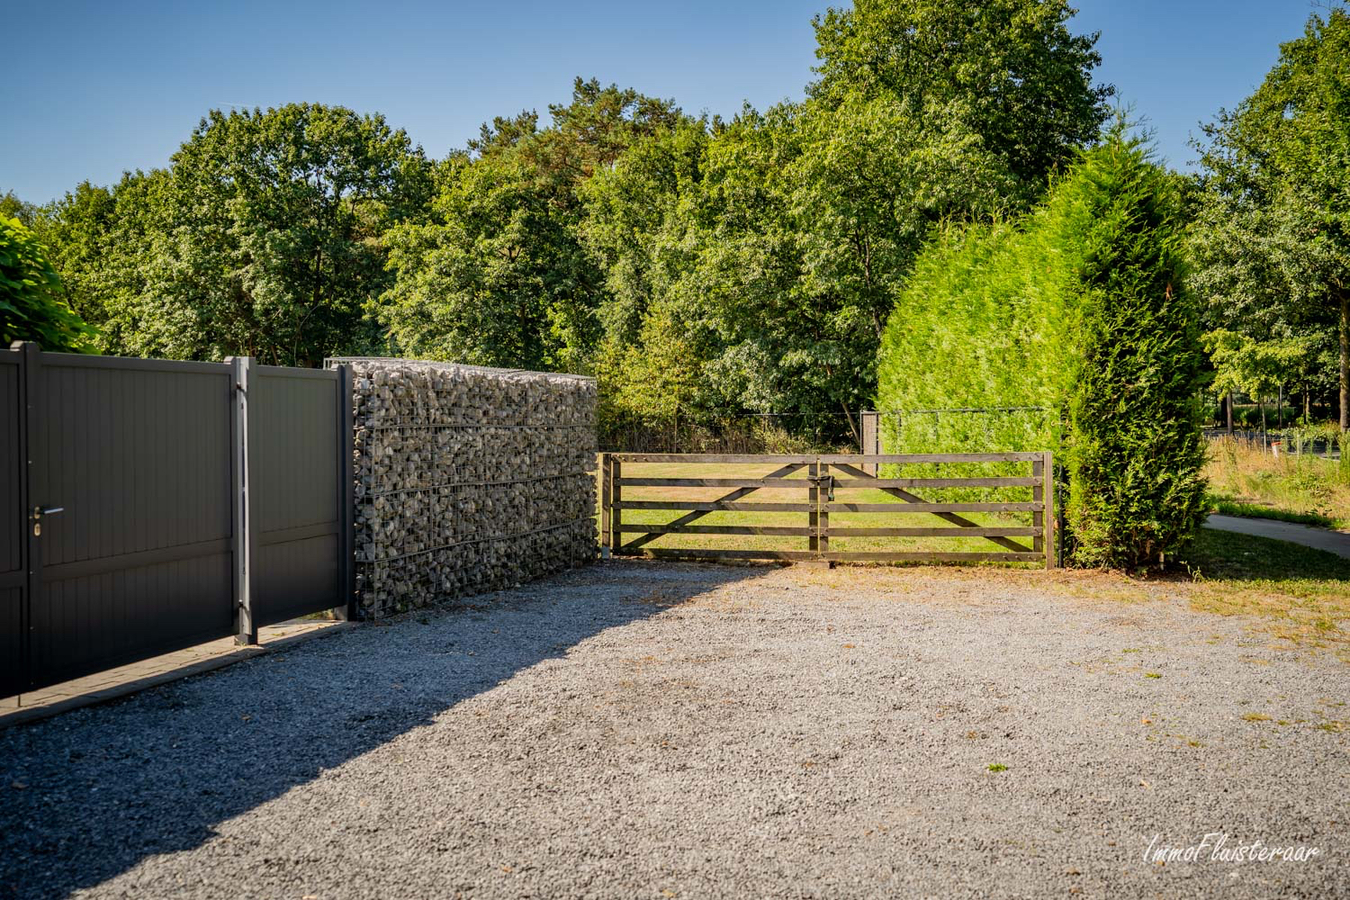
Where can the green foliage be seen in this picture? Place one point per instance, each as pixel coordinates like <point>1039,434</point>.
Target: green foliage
<point>1256,368</point>
<point>264,237</point>
<point>982,326</point>
<point>101,244</point>
<point>1135,454</point>
<point>1024,78</point>
<point>1271,241</point>
<point>1079,310</point>
<point>498,275</point>
<point>780,241</point>
<point>31,307</point>
<point>11,207</point>
<point>702,268</point>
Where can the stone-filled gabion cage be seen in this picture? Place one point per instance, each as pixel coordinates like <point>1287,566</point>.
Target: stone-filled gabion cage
<point>468,479</point>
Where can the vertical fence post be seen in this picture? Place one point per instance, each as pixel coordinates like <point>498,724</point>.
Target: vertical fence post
<point>823,517</point>
<point>246,629</point>
<point>813,498</point>
<point>1038,497</point>
<point>346,609</point>
<point>605,545</point>
<point>1048,491</point>
<point>615,512</point>
<point>871,439</point>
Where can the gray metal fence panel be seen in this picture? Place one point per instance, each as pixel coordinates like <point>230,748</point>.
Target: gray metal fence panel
<point>140,466</point>
<point>136,452</point>
<point>297,497</point>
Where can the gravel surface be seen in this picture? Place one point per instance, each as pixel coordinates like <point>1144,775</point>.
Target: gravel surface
<point>655,730</point>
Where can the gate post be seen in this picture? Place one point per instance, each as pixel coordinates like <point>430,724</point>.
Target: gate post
<point>1048,490</point>
<point>871,439</point>
<point>1038,496</point>
<point>29,573</point>
<point>244,540</point>
<point>346,610</point>
<point>813,517</point>
<point>606,547</point>
<point>823,520</point>
<point>615,511</point>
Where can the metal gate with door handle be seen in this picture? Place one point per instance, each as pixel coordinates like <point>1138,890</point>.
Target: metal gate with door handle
<point>122,533</point>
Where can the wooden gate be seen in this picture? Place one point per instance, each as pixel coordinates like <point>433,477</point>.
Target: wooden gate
<point>820,485</point>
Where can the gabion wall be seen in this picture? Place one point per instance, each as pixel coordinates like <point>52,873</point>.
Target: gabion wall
<point>467,479</point>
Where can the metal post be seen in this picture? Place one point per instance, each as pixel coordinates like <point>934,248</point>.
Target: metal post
<point>245,542</point>
<point>346,608</point>
<point>30,367</point>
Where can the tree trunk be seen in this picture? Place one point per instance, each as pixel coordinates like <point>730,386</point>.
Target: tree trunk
<point>1228,403</point>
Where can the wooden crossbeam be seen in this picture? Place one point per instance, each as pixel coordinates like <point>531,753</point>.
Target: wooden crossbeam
<point>698,514</point>
<point>946,516</point>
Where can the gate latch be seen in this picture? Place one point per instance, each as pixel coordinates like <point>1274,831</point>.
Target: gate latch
<point>825,481</point>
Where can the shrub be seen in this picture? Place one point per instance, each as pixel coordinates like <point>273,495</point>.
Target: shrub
<point>31,308</point>
<point>1135,453</point>
<point>1080,313</point>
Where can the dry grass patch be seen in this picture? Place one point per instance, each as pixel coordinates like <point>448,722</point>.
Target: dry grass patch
<point>1297,488</point>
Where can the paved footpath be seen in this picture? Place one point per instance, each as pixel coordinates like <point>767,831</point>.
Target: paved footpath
<point>1337,542</point>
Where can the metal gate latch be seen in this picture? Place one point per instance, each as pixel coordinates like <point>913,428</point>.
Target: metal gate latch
<point>826,481</point>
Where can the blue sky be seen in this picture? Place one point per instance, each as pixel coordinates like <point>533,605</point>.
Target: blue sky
<point>97,88</point>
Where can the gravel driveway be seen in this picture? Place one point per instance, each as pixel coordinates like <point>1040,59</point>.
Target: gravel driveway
<point>658,730</point>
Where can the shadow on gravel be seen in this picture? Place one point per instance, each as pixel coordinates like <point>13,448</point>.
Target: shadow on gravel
<point>89,794</point>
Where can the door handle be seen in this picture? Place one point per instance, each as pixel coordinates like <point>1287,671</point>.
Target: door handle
<point>39,512</point>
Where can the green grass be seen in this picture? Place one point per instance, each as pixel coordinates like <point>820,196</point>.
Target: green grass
<point>1305,593</point>
<point>1229,556</point>
<point>1228,507</point>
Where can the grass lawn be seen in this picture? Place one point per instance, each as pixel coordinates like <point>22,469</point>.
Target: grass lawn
<point>1307,489</point>
<point>1305,592</point>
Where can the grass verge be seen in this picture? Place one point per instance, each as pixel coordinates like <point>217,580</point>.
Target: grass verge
<point>1304,594</point>
<point>1245,481</point>
<point>1228,507</point>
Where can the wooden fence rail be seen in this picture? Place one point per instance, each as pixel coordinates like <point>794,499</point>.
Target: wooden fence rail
<point>820,485</point>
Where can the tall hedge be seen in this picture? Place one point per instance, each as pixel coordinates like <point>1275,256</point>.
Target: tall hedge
<point>1135,452</point>
<point>1079,310</point>
<point>31,306</point>
<point>980,328</point>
